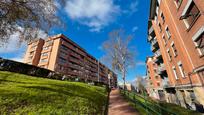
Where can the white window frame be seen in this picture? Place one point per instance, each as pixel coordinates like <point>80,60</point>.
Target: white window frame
<point>196,36</point>
<point>159,1</point>
<point>176,4</point>
<point>167,33</point>
<point>172,43</point>
<point>184,12</point>
<point>175,74</point>
<point>186,7</point>
<point>44,60</point>
<point>45,54</point>
<point>181,69</point>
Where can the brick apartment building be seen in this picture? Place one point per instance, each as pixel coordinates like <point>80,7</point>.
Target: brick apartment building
<point>60,54</point>
<point>176,29</point>
<point>155,78</point>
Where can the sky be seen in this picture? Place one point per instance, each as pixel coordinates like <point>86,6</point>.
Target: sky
<point>88,23</point>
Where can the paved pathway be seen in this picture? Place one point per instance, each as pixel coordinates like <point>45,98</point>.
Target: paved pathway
<point>119,106</point>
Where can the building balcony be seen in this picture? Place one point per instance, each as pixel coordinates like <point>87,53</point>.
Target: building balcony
<point>157,53</point>
<point>75,61</point>
<point>161,69</point>
<point>154,42</point>
<point>165,83</point>
<point>151,30</point>
<point>75,55</point>
<point>149,38</point>
<point>154,49</point>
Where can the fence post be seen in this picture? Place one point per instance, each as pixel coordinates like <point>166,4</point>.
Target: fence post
<point>135,102</point>
<point>147,111</point>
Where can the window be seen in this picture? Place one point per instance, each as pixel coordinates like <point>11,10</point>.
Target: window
<point>160,28</point>
<point>43,60</point>
<point>180,65</point>
<point>190,13</point>
<point>164,39</point>
<point>30,57</point>
<point>174,49</point>
<point>31,53</point>
<point>162,17</point>
<point>198,39</point>
<point>62,60</point>
<point>169,54</point>
<point>64,47</point>
<point>175,73</point>
<point>46,48</point>
<point>50,42</point>
<point>61,67</point>
<point>63,54</point>
<point>200,44</point>
<point>158,84</point>
<point>45,54</point>
<point>178,3</point>
<point>168,32</point>
<point>155,70</point>
<point>192,94</point>
<point>33,47</point>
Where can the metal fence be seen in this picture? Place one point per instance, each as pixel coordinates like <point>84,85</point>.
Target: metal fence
<point>151,107</point>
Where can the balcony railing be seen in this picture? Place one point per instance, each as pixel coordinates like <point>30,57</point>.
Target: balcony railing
<point>157,53</point>
<point>154,41</point>
<point>161,68</point>
<point>165,82</point>
<point>154,49</point>
<point>151,29</point>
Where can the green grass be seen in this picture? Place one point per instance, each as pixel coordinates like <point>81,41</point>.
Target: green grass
<point>22,94</point>
<point>153,105</point>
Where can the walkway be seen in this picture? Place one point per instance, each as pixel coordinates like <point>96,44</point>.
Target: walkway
<point>119,106</point>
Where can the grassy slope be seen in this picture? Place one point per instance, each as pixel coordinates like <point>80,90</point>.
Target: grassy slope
<point>176,109</point>
<point>21,94</point>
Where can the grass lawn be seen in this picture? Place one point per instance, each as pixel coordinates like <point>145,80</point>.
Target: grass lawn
<point>22,94</point>
<point>153,105</point>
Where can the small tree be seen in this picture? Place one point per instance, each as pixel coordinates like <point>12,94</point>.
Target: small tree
<point>27,17</point>
<point>118,52</point>
<point>140,84</point>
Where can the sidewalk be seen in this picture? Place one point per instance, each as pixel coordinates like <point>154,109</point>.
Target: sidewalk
<point>119,106</point>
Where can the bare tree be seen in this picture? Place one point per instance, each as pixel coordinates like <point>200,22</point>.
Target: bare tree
<point>27,17</point>
<point>118,52</point>
<point>141,84</point>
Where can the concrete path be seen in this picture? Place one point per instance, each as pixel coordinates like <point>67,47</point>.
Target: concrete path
<point>119,106</point>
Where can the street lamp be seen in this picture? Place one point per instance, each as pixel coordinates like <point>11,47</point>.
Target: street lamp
<point>98,71</point>
<point>109,78</point>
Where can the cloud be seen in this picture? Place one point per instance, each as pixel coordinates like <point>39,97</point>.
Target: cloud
<point>132,8</point>
<point>15,50</point>
<point>96,14</point>
<point>13,45</point>
<point>140,63</point>
<point>135,28</point>
<point>18,59</point>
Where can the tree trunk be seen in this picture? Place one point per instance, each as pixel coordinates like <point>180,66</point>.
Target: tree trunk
<point>123,79</point>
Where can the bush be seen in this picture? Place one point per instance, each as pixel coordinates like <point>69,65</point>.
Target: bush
<point>18,67</point>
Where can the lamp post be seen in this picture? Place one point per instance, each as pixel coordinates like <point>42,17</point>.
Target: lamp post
<point>98,71</point>
<point>109,78</point>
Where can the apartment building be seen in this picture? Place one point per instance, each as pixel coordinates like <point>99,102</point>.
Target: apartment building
<point>155,78</point>
<point>60,54</point>
<point>179,30</point>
